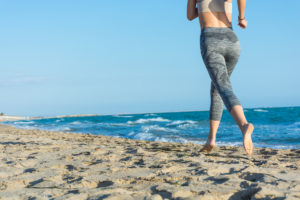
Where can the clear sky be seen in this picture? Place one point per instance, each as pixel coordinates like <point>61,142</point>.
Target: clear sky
<point>63,57</point>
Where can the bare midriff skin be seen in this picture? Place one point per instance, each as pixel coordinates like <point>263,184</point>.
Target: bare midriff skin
<point>214,19</point>
<point>222,19</point>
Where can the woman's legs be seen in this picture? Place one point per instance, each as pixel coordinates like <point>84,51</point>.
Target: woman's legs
<point>215,114</point>
<point>216,103</point>
<point>220,51</point>
<point>246,128</point>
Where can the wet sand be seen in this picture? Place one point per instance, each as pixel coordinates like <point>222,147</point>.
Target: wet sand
<point>37,164</point>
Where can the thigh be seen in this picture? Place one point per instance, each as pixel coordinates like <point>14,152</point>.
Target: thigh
<point>232,57</point>
<point>217,69</point>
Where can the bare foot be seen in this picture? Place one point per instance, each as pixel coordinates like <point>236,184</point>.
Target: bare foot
<point>247,141</point>
<point>207,148</point>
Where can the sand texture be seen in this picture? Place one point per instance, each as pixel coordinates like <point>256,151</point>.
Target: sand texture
<point>36,164</point>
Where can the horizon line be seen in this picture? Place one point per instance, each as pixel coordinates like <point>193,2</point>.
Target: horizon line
<point>86,115</point>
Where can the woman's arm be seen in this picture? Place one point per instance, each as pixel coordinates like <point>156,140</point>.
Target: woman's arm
<point>241,6</point>
<point>242,20</point>
<point>192,12</point>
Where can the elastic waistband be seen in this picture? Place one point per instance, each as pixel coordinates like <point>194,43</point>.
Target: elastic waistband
<point>216,29</point>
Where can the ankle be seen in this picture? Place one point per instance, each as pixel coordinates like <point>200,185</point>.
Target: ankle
<point>246,127</point>
<point>243,125</point>
<point>211,142</point>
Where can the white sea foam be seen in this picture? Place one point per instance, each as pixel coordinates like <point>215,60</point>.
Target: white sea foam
<point>67,129</point>
<point>76,122</point>
<point>182,122</point>
<point>143,136</point>
<point>127,116</point>
<point>156,128</point>
<point>143,121</point>
<point>236,144</point>
<point>186,126</point>
<point>150,114</point>
<point>179,140</point>
<point>131,133</point>
<point>23,122</point>
<point>260,110</point>
<point>113,124</point>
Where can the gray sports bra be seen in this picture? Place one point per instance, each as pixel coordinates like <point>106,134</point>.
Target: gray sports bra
<point>214,6</point>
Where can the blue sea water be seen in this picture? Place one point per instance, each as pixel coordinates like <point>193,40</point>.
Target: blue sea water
<point>274,127</point>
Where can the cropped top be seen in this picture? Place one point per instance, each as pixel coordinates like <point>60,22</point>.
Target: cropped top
<point>214,6</point>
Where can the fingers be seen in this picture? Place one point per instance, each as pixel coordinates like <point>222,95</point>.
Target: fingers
<point>242,25</point>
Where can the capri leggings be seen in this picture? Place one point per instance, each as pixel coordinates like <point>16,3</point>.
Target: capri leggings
<point>220,50</point>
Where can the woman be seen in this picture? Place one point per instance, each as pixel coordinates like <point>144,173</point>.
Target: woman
<point>220,50</point>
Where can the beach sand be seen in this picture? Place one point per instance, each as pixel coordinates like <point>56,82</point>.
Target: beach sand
<point>12,118</point>
<point>37,164</point>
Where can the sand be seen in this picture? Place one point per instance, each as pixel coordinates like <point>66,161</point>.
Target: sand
<point>37,164</point>
<point>12,118</point>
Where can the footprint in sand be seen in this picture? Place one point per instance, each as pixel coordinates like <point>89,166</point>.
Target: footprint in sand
<point>268,152</point>
<point>29,170</point>
<point>105,184</point>
<point>217,180</point>
<point>139,162</point>
<point>99,161</point>
<point>162,192</point>
<point>71,179</point>
<point>127,158</point>
<point>76,191</point>
<point>86,153</point>
<point>70,167</point>
<point>259,177</point>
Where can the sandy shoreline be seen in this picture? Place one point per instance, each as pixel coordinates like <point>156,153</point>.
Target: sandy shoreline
<point>16,118</point>
<point>38,164</point>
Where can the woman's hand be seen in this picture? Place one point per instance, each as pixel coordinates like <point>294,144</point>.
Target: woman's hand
<point>243,23</point>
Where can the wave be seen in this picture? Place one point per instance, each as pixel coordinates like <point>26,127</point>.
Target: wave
<point>150,114</point>
<point>127,116</point>
<point>260,110</point>
<point>144,136</point>
<point>143,121</point>
<point>182,122</point>
<point>23,122</point>
<point>156,128</point>
<point>186,126</point>
<point>178,140</point>
<point>67,129</point>
<point>150,137</point>
<point>75,122</point>
<point>113,124</point>
<point>131,133</point>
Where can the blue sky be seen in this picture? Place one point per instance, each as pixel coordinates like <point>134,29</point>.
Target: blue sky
<point>107,57</point>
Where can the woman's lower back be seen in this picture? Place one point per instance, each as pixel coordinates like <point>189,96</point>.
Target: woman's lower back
<point>215,19</point>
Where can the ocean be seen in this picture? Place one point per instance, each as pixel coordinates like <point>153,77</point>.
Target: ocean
<point>276,127</point>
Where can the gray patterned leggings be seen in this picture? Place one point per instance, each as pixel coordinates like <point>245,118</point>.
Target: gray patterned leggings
<point>220,50</point>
